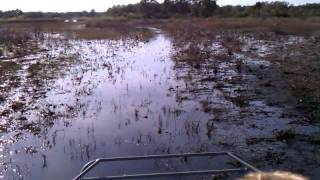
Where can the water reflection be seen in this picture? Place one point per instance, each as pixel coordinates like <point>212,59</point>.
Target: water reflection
<point>85,99</point>
<point>111,98</point>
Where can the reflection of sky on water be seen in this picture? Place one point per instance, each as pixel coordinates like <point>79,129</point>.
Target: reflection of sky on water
<point>122,101</point>
<point>118,98</point>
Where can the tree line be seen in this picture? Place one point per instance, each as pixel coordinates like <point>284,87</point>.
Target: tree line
<point>206,8</point>
<point>183,8</point>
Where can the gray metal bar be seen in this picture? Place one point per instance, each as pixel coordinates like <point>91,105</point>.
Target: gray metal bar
<point>86,170</point>
<point>87,165</point>
<point>243,162</point>
<point>163,156</point>
<point>183,173</point>
<point>93,163</point>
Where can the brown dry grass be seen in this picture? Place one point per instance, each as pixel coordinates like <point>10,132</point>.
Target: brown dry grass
<point>15,43</point>
<point>203,26</point>
<point>84,29</point>
<point>282,25</point>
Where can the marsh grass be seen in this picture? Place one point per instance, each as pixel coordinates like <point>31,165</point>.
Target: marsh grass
<point>15,43</point>
<point>299,62</point>
<point>114,29</point>
<point>84,29</point>
<point>113,33</point>
<point>192,40</point>
<point>300,66</point>
<point>208,26</point>
<point>11,36</point>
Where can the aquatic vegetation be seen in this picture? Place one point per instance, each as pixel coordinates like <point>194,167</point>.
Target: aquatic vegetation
<point>15,43</point>
<point>178,89</point>
<point>285,135</point>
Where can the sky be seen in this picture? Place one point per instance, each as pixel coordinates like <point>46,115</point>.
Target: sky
<point>99,5</point>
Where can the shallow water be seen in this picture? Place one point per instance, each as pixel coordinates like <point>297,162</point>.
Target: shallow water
<point>113,101</point>
<point>90,99</point>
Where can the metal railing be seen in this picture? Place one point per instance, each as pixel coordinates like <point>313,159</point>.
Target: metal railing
<point>87,167</point>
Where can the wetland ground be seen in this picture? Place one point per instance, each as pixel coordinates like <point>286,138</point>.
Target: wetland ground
<point>73,92</point>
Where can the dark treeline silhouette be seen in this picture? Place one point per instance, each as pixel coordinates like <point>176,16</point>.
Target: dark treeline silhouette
<point>169,8</point>
<point>206,8</point>
<point>183,8</point>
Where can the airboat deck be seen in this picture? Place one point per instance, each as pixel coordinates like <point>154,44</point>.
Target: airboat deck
<point>90,165</point>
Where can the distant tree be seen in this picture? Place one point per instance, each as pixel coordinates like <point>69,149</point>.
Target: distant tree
<point>279,9</point>
<point>150,8</point>
<point>167,8</point>
<point>11,13</point>
<point>185,8</point>
<point>182,7</point>
<point>203,8</point>
<point>92,12</point>
<point>35,15</point>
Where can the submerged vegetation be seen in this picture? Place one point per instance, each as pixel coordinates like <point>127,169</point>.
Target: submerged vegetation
<point>15,43</point>
<point>77,86</point>
<point>298,61</point>
<point>300,65</point>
